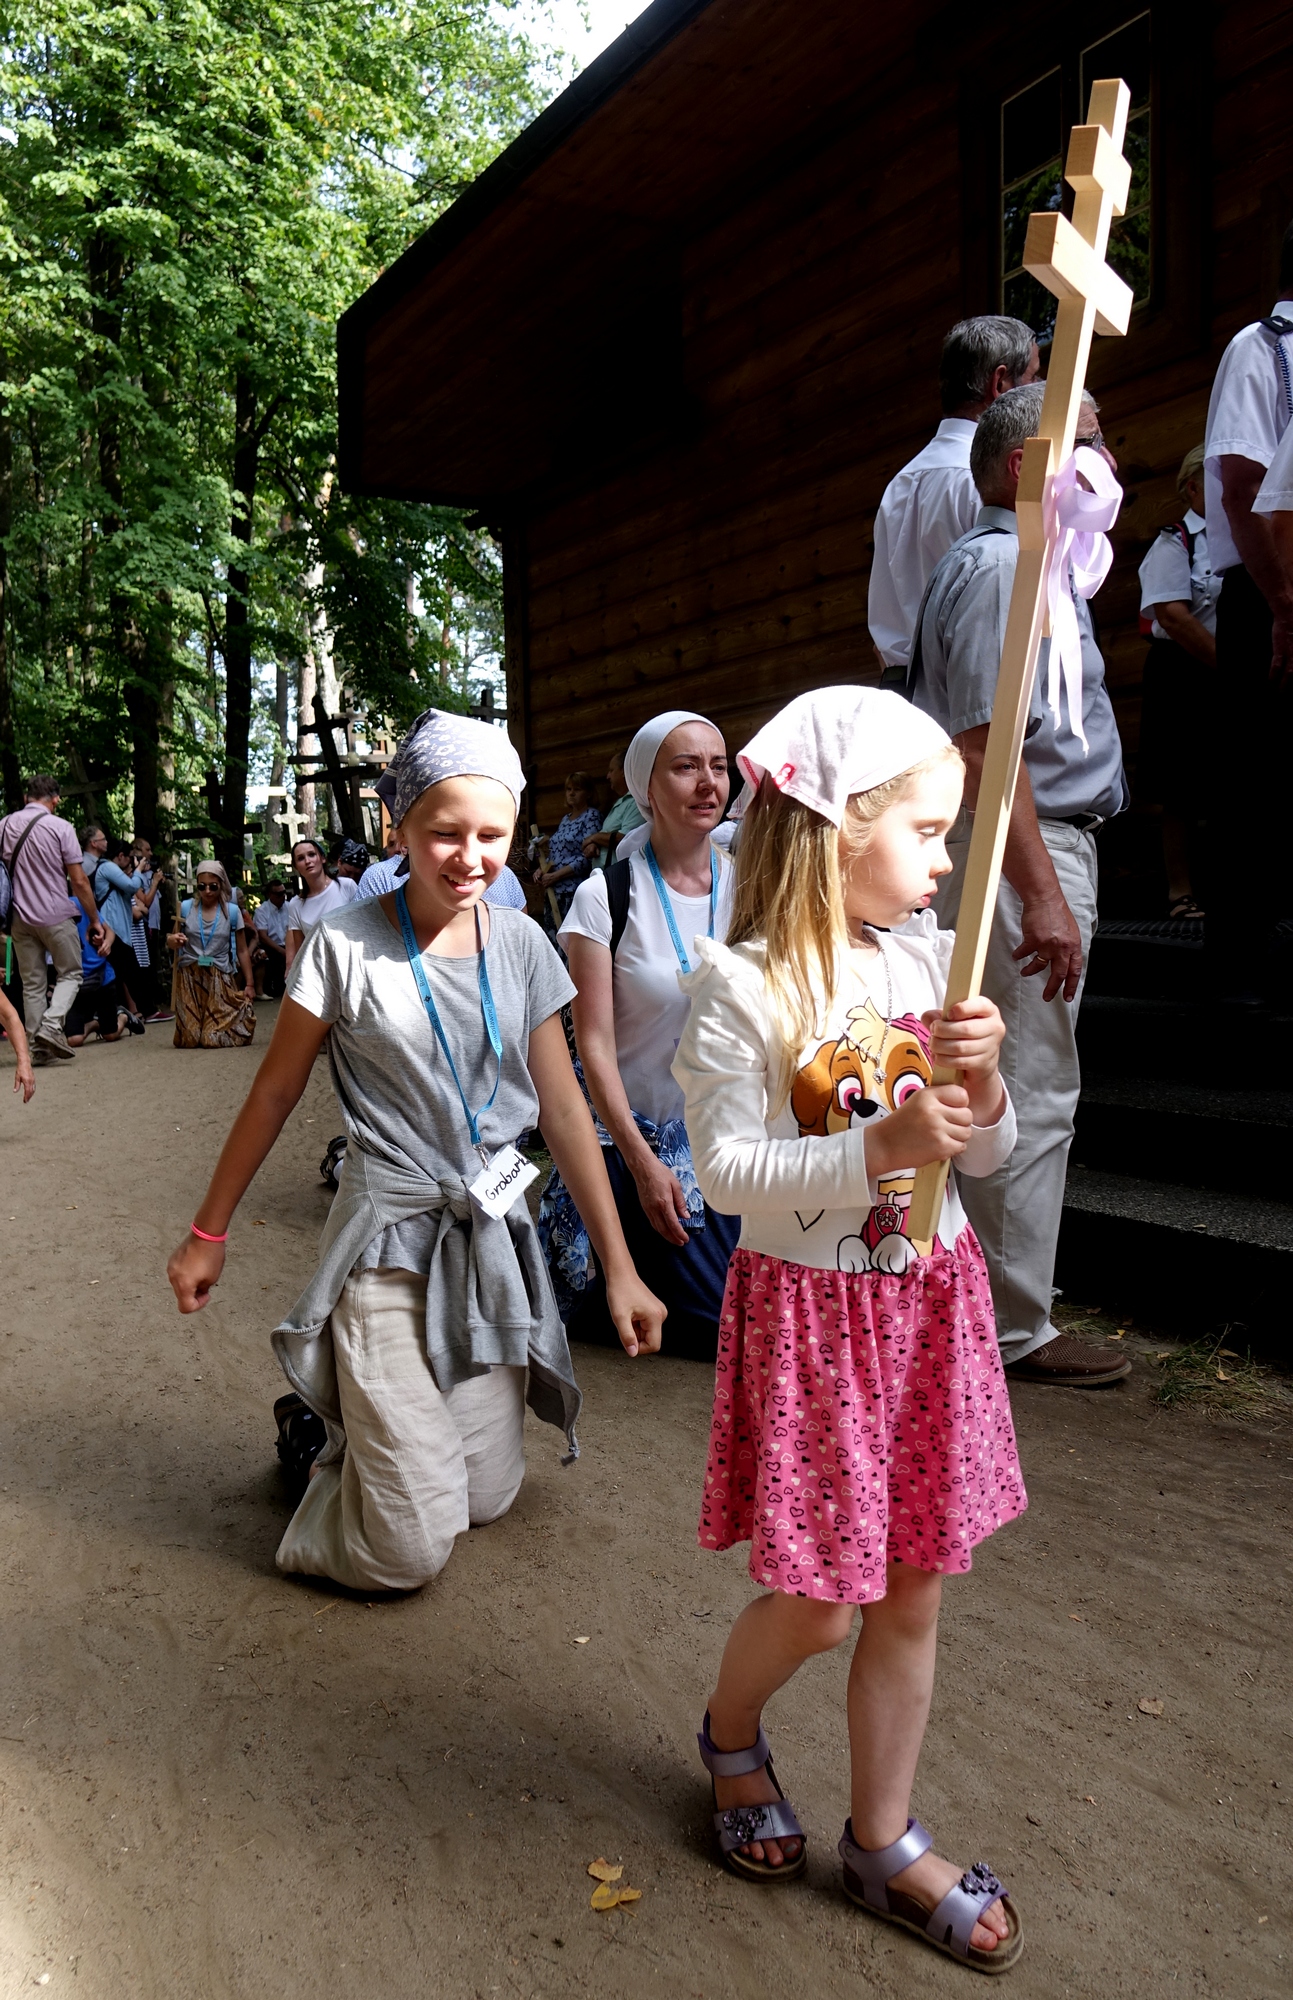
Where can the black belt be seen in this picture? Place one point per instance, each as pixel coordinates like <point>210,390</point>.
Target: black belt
<point>1084,822</point>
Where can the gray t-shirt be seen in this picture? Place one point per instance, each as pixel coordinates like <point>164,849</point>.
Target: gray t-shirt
<point>209,935</point>
<point>960,639</point>
<point>391,1078</point>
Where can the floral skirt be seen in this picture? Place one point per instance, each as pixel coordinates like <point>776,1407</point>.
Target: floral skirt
<point>859,1419</point>
<point>210,1012</point>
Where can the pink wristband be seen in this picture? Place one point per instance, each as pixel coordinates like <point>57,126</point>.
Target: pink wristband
<point>208,1238</point>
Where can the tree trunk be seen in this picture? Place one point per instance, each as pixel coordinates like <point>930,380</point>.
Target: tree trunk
<point>237,631</point>
<point>135,650</point>
<point>166,758</point>
<point>43,599</point>
<point>282,675</point>
<point>10,768</point>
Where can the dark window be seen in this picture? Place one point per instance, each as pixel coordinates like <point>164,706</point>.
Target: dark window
<point>1035,124</point>
<point>1126,53</point>
<point>1032,127</point>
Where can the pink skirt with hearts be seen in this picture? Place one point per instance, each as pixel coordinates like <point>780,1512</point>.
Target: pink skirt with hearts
<point>859,1419</point>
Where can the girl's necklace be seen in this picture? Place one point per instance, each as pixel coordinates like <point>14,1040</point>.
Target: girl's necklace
<point>888,1002</point>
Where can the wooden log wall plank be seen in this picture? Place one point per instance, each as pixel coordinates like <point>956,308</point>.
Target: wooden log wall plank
<point>730,570</point>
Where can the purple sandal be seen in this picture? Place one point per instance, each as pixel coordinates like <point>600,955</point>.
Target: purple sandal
<point>739,1825</point>
<point>949,1927</point>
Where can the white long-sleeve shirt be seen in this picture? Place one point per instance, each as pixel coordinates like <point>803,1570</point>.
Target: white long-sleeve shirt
<point>926,507</point>
<point>798,1177</point>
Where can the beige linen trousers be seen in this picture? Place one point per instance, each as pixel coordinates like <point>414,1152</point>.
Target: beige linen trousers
<point>419,1467</point>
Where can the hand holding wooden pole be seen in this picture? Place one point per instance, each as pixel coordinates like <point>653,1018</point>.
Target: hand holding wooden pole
<point>1069,259</point>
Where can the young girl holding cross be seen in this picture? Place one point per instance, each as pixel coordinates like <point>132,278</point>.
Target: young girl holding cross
<point>430,1320</point>
<point>861,1436</point>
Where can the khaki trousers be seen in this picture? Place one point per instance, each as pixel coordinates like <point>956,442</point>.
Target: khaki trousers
<point>1015,1213</point>
<point>63,943</point>
<point>419,1467</point>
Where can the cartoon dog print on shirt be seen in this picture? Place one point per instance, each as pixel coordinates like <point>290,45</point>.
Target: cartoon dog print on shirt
<point>840,1087</point>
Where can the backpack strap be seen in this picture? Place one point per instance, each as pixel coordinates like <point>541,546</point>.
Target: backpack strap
<point>618,885</point>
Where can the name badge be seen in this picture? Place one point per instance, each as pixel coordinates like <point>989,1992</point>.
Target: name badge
<point>205,958</point>
<point>506,1177</point>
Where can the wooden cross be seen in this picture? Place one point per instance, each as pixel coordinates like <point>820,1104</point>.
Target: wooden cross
<point>1069,259</point>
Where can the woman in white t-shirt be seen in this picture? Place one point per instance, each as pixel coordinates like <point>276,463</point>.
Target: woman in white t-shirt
<point>320,897</point>
<point>630,932</point>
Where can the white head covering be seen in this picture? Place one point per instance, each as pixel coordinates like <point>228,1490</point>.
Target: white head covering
<point>824,747</point>
<point>639,763</point>
<point>440,745</point>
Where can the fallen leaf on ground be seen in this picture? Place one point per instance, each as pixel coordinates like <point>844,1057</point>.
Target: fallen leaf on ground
<point>1230,1353</point>
<point>1077,1617</point>
<point>1148,1707</point>
<point>581,1642</point>
<point>1223,1377</point>
<point>1087,1799</point>
<point>603,1870</point>
<point>608,1894</point>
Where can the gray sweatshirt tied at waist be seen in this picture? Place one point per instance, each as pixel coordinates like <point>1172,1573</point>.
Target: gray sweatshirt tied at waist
<point>489,1300</point>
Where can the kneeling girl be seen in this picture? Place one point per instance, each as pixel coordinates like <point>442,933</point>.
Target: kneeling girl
<point>861,1439</point>
<point>430,1320</point>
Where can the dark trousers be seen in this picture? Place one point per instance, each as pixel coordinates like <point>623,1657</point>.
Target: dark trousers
<point>1251,726</point>
<point>96,1003</point>
<point>275,974</point>
<point>133,977</point>
<point>687,1278</point>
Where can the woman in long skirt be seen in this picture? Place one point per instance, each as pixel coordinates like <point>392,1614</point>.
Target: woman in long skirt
<point>212,1011</point>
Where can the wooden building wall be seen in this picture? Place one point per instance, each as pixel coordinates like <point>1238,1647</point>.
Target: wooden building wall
<point>728,570</point>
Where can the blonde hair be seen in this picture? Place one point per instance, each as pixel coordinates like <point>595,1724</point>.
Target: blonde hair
<point>789,897</point>
<point>1191,467</point>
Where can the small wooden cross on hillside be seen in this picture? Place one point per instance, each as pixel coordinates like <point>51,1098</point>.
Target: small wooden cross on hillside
<point>1069,259</point>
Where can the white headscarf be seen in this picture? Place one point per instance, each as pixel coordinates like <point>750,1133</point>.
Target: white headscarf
<point>639,763</point>
<point>825,747</point>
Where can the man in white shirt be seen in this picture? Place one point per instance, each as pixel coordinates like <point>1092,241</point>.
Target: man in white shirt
<point>933,501</point>
<point>1248,416</point>
<point>271,940</point>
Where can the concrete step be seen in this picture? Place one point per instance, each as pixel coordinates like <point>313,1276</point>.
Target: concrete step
<point>1185,1041</point>
<point>1186,1260</point>
<point>1187,1134</point>
<point>1133,958</point>
<point>1147,959</point>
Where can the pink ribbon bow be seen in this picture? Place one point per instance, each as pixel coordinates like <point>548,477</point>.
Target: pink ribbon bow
<point>1077,520</point>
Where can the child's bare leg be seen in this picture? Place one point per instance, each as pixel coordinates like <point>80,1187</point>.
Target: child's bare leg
<point>768,1643</point>
<point>891,1683</point>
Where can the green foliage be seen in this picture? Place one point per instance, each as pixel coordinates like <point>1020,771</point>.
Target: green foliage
<point>191,191</point>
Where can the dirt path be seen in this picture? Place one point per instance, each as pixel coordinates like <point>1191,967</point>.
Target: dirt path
<point>215,1782</point>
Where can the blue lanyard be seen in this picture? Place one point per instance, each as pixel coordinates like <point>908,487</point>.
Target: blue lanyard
<point>203,939</point>
<point>486,1008</point>
<point>667,906</point>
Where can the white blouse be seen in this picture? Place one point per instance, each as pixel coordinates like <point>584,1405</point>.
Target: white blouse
<point>649,1004</point>
<point>798,1179</point>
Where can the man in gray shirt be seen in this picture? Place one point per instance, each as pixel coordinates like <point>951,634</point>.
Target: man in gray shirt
<point>1047,900</point>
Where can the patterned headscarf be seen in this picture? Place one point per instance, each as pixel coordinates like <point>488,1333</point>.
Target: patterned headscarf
<point>223,883</point>
<point>441,745</point>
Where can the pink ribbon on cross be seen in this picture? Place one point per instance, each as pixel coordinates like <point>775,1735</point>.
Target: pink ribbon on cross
<point>1078,521</point>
